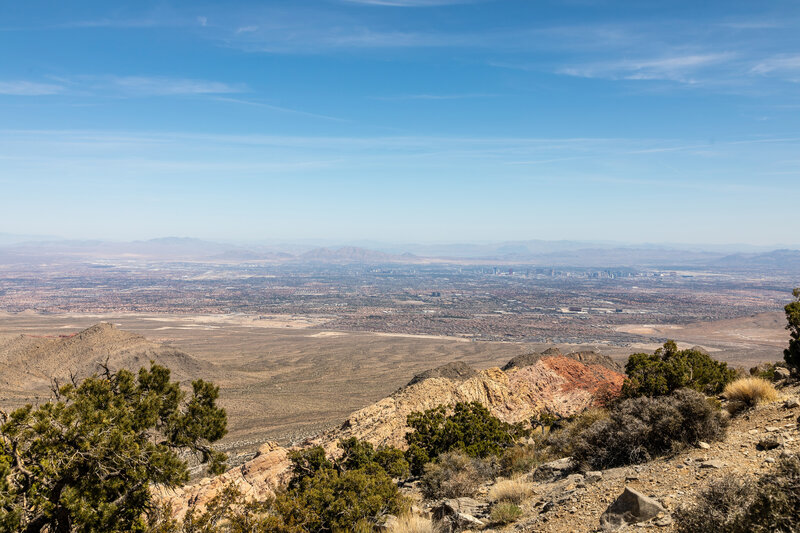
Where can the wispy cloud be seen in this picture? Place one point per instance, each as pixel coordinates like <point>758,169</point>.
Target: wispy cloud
<point>120,86</point>
<point>29,88</point>
<point>427,96</point>
<point>409,3</point>
<point>277,108</point>
<point>116,23</point>
<point>165,86</point>
<point>783,65</point>
<point>678,68</point>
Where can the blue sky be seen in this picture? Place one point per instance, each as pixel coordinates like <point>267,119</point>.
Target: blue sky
<point>401,120</point>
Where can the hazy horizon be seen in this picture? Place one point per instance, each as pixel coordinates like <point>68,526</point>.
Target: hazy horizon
<point>276,242</point>
<point>401,121</point>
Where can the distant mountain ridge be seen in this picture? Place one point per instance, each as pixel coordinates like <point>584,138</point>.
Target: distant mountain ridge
<point>577,254</point>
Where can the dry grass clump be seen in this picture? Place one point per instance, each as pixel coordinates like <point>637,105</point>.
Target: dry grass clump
<point>505,513</point>
<point>749,392</point>
<point>510,490</point>
<point>411,523</point>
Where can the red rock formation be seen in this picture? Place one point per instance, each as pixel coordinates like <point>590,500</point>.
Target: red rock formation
<point>562,384</point>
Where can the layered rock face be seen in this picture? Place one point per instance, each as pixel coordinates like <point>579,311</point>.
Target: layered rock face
<point>562,384</point>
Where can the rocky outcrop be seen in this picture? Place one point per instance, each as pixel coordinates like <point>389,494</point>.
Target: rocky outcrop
<point>561,384</point>
<point>456,371</point>
<point>630,507</point>
<point>257,480</point>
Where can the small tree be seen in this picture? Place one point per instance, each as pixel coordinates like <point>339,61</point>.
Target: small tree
<point>792,354</point>
<point>669,369</point>
<point>86,460</point>
<point>471,428</point>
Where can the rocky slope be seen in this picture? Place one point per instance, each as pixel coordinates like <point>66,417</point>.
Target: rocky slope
<point>28,363</point>
<point>565,503</point>
<point>563,384</point>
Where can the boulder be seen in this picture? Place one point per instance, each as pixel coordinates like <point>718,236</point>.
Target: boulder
<point>791,403</point>
<point>782,372</point>
<point>386,523</point>
<point>630,507</point>
<point>768,443</point>
<point>464,505</point>
<point>457,514</point>
<point>554,469</point>
<point>593,476</point>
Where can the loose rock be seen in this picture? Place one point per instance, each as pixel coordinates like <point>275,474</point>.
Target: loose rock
<point>630,507</point>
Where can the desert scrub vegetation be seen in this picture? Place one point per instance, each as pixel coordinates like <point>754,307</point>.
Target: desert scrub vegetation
<point>88,459</point>
<point>513,490</point>
<point>350,493</point>
<point>471,428</point>
<point>523,458</point>
<point>792,354</point>
<point>566,432</point>
<point>638,429</point>
<point>746,393</point>
<point>455,474</point>
<point>505,513</point>
<point>736,505</point>
<point>670,369</point>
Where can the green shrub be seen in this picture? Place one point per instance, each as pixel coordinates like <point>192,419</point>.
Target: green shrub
<point>639,429</point>
<point>764,371</point>
<point>359,454</point>
<point>792,354</point>
<point>87,459</point>
<point>471,428</point>
<point>505,513</point>
<point>333,501</point>
<point>349,494</point>
<point>670,369</point>
<point>453,475</point>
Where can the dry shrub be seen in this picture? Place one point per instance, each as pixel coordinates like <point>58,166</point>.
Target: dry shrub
<point>732,505</point>
<point>510,490</point>
<point>523,458</point>
<point>454,475</point>
<point>505,513</point>
<point>749,392</point>
<point>411,523</point>
<point>562,440</point>
<point>639,429</point>
<point>718,507</point>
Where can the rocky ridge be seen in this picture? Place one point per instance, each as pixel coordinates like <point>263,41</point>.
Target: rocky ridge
<point>561,384</point>
<point>29,363</point>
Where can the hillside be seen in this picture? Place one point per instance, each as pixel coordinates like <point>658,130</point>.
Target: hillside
<point>562,384</point>
<point>28,363</point>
